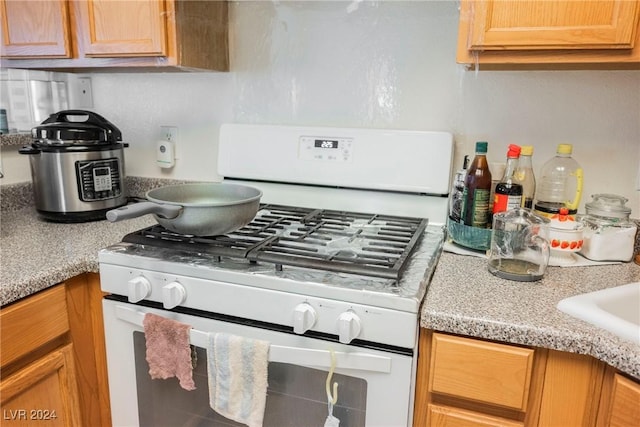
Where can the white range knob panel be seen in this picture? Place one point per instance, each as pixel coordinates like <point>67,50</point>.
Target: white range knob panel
<point>344,319</point>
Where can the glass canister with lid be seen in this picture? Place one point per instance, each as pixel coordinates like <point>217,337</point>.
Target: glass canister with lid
<point>609,234</point>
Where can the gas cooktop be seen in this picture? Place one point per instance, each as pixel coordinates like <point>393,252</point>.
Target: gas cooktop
<point>335,241</point>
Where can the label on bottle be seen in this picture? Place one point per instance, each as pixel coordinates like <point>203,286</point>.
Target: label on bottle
<point>504,202</point>
<point>479,208</point>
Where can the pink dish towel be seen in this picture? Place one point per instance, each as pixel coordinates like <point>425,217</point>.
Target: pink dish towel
<point>168,349</point>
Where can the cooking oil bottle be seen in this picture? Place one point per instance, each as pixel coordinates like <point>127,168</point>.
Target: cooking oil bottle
<point>560,183</point>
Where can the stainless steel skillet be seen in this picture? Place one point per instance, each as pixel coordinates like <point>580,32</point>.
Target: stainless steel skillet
<point>207,209</point>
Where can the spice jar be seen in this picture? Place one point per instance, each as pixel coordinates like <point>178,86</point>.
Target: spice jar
<point>609,235</point>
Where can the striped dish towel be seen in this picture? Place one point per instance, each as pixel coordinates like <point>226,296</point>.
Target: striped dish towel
<point>238,377</point>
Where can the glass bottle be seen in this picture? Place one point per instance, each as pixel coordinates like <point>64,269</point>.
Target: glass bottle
<point>508,191</point>
<point>525,176</point>
<point>457,189</point>
<point>477,188</point>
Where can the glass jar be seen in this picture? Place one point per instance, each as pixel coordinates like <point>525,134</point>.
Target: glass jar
<point>609,234</point>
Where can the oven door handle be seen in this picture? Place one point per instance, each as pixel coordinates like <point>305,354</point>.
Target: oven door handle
<point>358,361</point>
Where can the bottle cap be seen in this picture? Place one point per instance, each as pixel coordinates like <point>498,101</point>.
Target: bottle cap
<point>514,151</point>
<point>481,147</point>
<point>564,149</point>
<point>527,150</point>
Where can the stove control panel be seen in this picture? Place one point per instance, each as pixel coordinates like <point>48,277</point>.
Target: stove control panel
<point>346,320</point>
<point>328,149</point>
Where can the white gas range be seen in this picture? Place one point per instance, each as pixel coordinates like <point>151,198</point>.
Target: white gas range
<point>337,261</point>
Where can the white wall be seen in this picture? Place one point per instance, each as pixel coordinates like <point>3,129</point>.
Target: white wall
<point>383,65</point>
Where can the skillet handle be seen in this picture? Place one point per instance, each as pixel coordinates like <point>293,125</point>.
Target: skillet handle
<point>143,208</point>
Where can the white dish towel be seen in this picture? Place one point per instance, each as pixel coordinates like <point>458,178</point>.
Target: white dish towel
<point>238,377</point>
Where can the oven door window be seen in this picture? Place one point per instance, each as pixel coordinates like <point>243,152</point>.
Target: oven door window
<point>295,396</point>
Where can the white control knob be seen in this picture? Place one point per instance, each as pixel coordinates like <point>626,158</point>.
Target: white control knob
<point>348,327</point>
<point>304,317</point>
<point>139,289</point>
<point>173,295</point>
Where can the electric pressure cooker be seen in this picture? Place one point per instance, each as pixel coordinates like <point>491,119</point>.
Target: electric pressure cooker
<point>77,166</point>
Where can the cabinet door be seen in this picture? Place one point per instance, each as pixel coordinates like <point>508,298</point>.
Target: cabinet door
<point>443,416</point>
<point>549,34</point>
<point>625,403</point>
<point>535,24</point>
<point>42,392</point>
<point>108,28</point>
<point>35,29</point>
<point>480,371</point>
<point>620,403</point>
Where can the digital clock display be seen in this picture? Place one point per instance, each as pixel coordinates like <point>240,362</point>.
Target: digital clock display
<point>325,143</point>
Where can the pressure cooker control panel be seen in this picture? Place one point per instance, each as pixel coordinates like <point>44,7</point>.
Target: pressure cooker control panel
<point>98,179</point>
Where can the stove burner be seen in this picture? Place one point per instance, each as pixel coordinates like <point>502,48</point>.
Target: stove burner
<point>337,241</point>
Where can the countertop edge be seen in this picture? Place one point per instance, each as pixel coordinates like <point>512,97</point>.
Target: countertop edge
<point>46,279</point>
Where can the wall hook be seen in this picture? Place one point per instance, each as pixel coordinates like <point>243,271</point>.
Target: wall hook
<point>332,397</point>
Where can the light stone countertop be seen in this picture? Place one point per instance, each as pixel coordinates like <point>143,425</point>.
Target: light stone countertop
<point>35,254</point>
<point>15,139</point>
<point>464,298</point>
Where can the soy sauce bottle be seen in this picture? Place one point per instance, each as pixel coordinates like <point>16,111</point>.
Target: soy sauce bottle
<point>525,176</point>
<point>508,191</point>
<point>477,189</point>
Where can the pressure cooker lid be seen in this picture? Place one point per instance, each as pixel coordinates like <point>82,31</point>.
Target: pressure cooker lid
<point>76,127</point>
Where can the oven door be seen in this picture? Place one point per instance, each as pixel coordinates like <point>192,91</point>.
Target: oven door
<point>375,387</point>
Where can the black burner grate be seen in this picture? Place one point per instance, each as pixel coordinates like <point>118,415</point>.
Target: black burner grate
<point>337,241</point>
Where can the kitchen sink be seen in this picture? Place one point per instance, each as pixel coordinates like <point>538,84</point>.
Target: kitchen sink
<point>615,309</point>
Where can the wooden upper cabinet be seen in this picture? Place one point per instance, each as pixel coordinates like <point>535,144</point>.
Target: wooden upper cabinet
<point>548,32</point>
<point>122,28</point>
<point>102,35</point>
<point>35,29</point>
<point>522,25</point>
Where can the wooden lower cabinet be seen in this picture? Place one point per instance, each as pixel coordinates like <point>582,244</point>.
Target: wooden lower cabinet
<point>44,391</point>
<point>86,330</point>
<point>620,402</point>
<point>468,382</point>
<point>454,417</point>
<point>53,369</point>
